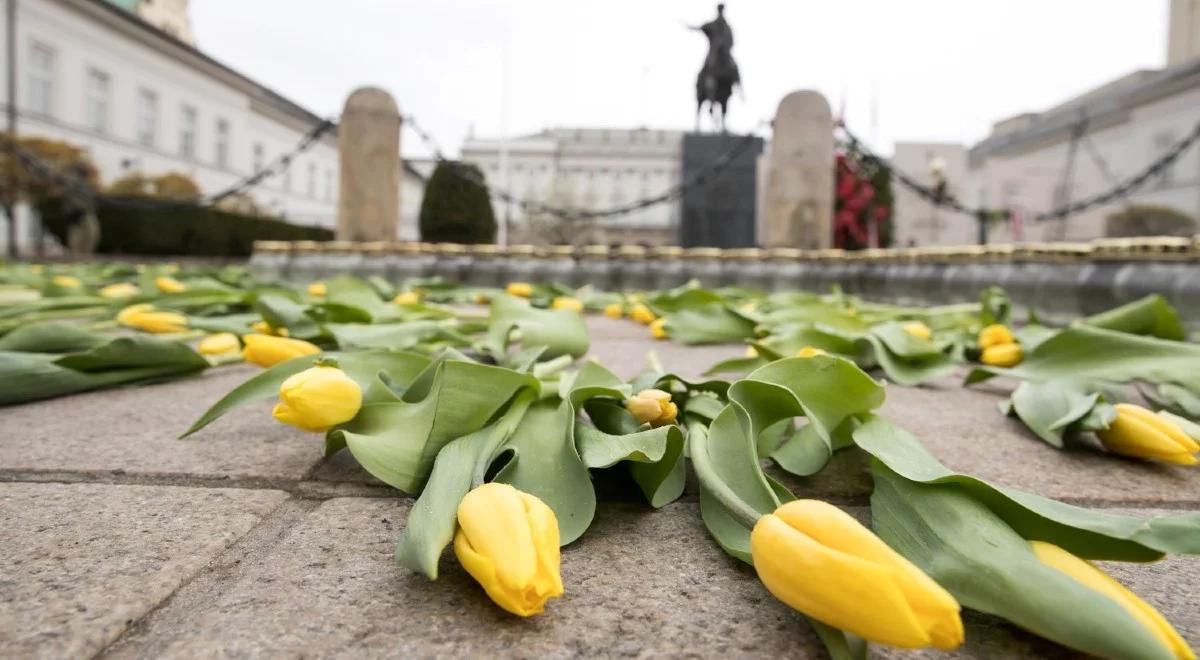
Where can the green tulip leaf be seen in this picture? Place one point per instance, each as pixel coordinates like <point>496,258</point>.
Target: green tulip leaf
<point>50,337</point>
<point>281,312</point>
<point>26,377</point>
<point>1151,315</point>
<point>393,336</point>
<point>561,331</point>
<point>1050,408</point>
<point>908,371</point>
<point>137,351</point>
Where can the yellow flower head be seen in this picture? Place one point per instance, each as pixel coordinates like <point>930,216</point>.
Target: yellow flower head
<point>566,302</point>
<point>519,289</point>
<point>919,330</point>
<point>125,316</point>
<point>66,281</point>
<point>220,343</point>
<point>508,541</point>
<point>614,311</point>
<point>658,328</point>
<point>264,328</point>
<point>653,407</point>
<point>120,290</point>
<point>407,298</point>
<point>642,314</point>
<point>317,289</point>
<point>751,352</point>
<point>318,398</point>
<point>1093,578</point>
<point>748,306</point>
<point>995,335</point>
<point>167,284</point>
<point>1002,355</point>
<point>268,351</point>
<point>810,351</point>
<point>144,317</point>
<point>1140,433</point>
<point>824,563</point>
<point>482,299</point>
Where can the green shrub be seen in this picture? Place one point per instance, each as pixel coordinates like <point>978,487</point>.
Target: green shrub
<point>455,210</point>
<point>179,230</point>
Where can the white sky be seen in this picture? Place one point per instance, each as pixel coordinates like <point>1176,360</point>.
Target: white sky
<point>942,70</point>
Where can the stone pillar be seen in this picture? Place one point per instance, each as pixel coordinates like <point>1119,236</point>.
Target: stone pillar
<point>799,189</point>
<point>369,152</point>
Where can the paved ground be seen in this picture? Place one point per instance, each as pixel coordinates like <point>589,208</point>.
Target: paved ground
<point>119,540</point>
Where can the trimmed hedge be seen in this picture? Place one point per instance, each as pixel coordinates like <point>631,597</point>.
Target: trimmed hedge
<point>456,209</point>
<point>178,230</point>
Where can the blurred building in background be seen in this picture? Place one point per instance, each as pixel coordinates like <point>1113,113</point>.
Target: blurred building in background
<point>919,221</point>
<point>123,80</point>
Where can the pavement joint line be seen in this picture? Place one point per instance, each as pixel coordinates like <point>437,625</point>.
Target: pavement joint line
<point>205,584</point>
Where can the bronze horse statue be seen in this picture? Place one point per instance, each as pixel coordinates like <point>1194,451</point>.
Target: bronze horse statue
<point>718,77</point>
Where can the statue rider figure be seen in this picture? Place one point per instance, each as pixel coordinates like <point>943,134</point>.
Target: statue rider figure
<point>720,73</point>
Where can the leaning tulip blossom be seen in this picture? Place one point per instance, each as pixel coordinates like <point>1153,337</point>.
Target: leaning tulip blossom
<point>995,335</point>
<point>169,285</point>
<point>126,316</point>
<point>264,328</point>
<point>824,563</point>
<point>221,343</point>
<point>566,302</point>
<point>653,407</point>
<point>918,330</point>
<point>268,351</point>
<point>1093,578</point>
<point>1002,355</point>
<point>508,541</point>
<point>658,328</point>
<point>317,398</point>
<point>810,351</point>
<point>66,281</point>
<point>614,311</point>
<point>143,317</point>
<point>642,314</point>
<point>317,289</point>
<point>519,289</point>
<point>1140,433</point>
<point>407,298</point>
<point>120,290</point>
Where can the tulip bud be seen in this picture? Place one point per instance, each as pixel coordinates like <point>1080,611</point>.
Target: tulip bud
<point>751,352</point>
<point>658,328</point>
<point>317,289</point>
<point>219,344</point>
<point>268,351</point>
<point>317,398</point>
<point>642,314</point>
<point>167,284</point>
<point>66,281</point>
<point>565,302</point>
<point>519,289</point>
<point>1002,355</point>
<point>819,560</point>
<point>508,541</point>
<point>1093,578</point>
<point>653,407</point>
<point>995,335</point>
<point>143,317</point>
<point>407,298</point>
<point>613,311</point>
<point>810,351</point>
<point>1140,433</point>
<point>918,330</point>
<point>120,290</point>
<point>264,328</point>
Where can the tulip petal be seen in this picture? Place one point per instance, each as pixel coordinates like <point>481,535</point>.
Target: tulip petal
<point>1130,436</point>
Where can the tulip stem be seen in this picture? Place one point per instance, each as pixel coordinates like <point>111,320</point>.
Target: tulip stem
<point>712,483</point>
<point>501,430</point>
<point>551,367</point>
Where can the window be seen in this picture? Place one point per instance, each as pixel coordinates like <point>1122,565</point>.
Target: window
<point>287,177</point>
<point>258,157</point>
<point>96,100</point>
<point>41,79</point>
<point>187,132</point>
<point>147,117</point>
<point>328,185</point>
<point>222,144</point>
<point>312,180</point>
<point>1163,143</point>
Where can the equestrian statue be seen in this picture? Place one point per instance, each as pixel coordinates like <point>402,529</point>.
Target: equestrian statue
<point>719,75</point>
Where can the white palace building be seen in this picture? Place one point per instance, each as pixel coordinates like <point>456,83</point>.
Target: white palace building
<point>124,80</point>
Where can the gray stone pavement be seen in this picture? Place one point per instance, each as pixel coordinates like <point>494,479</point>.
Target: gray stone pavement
<point>119,540</point>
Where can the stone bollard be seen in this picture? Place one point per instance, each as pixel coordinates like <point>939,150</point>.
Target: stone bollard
<point>369,152</point>
<point>666,267</point>
<point>799,189</point>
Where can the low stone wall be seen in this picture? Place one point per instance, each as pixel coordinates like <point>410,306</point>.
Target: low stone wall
<point>1059,280</point>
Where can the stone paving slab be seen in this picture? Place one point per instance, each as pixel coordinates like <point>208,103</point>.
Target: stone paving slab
<point>134,430</point>
<point>81,562</point>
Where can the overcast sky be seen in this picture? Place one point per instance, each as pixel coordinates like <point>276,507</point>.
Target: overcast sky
<point>939,70</point>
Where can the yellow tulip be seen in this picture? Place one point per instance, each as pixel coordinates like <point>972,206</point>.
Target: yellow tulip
<point>566,302</point>
<point>482,299</point>
<point>751,352</point>
<point>658,328</point>
<point>821,561</point>
<point>317,289</point>
<point>268,351</point>
<point>995,335</point>
<point>407,298</point>
<point>1093,578</point>
<point>144,317</point>
<point>1002,355</point>
<point>642,314</point>
<point>653,407</point>
<point>120,290</point>
<point>519,289</point>
<point>508,541</point>
<point>167,284</point>
<point>220,343</point>
<point>748,307</point>
<point>317,398</point>
<point>614,311</point>
<point>810,351</point>
<point>66,281</point>
<point>919,330</point>
<point>264,328</point>
<point>126,316</point>
<point>1140,433</point>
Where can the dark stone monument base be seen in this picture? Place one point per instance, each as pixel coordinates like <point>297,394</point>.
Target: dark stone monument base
<point>722,211</point>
